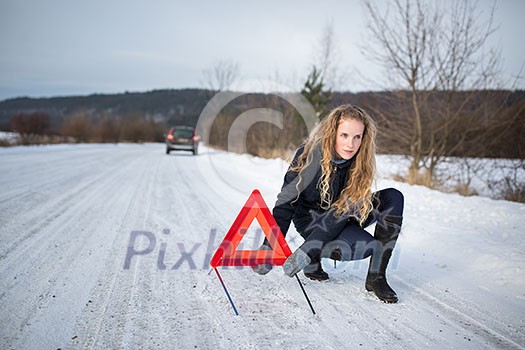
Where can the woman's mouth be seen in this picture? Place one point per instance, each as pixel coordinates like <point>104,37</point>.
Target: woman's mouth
<point>348,154</point>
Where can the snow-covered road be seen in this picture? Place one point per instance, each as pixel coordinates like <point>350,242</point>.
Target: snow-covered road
<point>71,214</point>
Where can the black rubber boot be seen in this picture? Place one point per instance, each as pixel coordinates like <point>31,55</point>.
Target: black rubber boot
<point>314,270</point>
<point>386,234</point>
<point>376,282</point>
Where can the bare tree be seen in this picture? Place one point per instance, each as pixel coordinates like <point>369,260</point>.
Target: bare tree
<point>78,126</point>
<point>31,127</point>
<point>437,61</point>
<point>221,75</point>
<point>326,56</point>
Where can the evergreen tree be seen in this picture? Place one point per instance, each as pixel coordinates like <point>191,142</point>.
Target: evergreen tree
<point>316,93</point>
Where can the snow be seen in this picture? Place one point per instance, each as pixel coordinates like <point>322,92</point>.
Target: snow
<point>9,137</point>
<point>67,213</point>
<point>485,176</point>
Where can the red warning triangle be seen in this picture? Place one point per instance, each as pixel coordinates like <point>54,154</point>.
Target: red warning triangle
<point>227,253</point>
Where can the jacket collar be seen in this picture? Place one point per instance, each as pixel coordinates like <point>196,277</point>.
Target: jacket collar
<point>343,163</point>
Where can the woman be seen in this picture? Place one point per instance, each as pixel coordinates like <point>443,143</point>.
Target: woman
<point>327,193</point>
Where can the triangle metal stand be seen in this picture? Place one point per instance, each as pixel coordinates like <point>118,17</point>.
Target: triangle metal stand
<point>233,305</point>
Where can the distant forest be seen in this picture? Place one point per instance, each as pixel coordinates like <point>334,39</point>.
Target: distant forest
<point>145,117</point>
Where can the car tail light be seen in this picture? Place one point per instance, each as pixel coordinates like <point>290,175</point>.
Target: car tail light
<point>170,137</point>
<point>195,138</point>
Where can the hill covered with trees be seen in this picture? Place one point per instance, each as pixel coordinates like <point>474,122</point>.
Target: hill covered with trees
<point>495,130</point>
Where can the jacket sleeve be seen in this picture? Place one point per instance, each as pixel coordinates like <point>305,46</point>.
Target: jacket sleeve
<point>284,208</point>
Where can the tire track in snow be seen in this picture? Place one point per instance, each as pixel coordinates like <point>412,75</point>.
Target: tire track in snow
<point>450,322</point>
<point>197,213</point>
<point>38,177</point>
<point>463,315</point>
<point>36,221</point>
<point>141,297</point>
<point>140,285</point>
<point>111,298</point>
<point>57,247</point>
<point>62,216</point>
<point>53,225</point>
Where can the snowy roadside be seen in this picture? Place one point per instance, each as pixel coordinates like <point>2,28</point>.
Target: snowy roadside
<point>484,176</point>
<point>10,138</point>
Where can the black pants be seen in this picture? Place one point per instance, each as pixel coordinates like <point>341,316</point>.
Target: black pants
<point>349,236</point>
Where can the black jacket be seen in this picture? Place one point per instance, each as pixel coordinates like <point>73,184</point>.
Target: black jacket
<point>290,206</point>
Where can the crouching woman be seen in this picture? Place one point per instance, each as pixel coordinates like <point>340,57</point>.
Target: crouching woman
<point>327,194</point>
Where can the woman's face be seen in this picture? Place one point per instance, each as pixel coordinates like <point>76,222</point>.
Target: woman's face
<point>349,137</point>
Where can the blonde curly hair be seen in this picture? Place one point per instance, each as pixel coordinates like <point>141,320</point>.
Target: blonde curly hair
<point>356,198</point>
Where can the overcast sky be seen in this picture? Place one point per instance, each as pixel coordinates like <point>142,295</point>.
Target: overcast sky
<point>57,48</point>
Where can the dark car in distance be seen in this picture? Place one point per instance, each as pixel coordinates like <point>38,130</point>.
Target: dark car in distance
<point>182,138</point>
